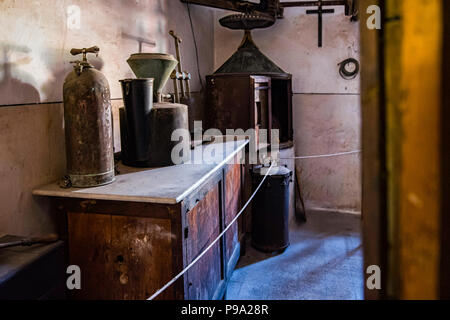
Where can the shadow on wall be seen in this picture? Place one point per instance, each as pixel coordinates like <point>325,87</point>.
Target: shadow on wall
<point>53,88</point>
<point>10,86</point>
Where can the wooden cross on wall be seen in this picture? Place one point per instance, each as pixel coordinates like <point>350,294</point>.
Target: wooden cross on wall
<point>320,11</point>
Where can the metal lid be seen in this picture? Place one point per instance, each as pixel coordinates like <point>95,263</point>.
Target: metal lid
<point>247,21</point>
<point>275,172</point>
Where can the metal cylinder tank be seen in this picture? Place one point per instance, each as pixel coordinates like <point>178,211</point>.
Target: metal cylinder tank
<point>135,128</point>
<point>270,209</point>
<point>88,125</point>
<point>165,119</point>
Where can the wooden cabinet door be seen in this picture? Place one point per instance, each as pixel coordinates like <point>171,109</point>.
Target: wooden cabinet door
<point>229,100</point>
<point>233,204</point>
<point>120,257</point>
<point>203,227</point>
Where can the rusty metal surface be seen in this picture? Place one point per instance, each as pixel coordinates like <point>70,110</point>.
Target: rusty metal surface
<point>249,59</point>
<point>88,127</point>
<point>165,118</point>
<point>230,99</point>
<point>247,21</point>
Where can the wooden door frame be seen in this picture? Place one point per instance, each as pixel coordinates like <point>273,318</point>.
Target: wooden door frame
<point>445,159</point>
<point>374,182</point>
<point>375,179</point>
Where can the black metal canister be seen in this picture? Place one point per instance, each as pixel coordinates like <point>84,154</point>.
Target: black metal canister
<point>166,118</point>
<point>88,124</point>
<point>270,209</point>
<point>135,126</point>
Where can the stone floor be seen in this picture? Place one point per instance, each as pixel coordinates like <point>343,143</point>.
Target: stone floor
<point>324,262</point>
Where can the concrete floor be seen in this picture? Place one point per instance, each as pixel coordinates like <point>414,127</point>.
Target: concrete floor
<point>324,262</point>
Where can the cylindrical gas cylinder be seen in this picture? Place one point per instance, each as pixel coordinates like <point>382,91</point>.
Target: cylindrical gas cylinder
<point>88,125</point>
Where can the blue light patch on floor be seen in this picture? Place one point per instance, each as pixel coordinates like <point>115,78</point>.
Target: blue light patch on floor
<point>324,262</point>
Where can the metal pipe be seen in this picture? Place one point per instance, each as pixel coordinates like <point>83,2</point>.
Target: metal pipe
<point>187,78</point>
<point>176,97</point>
<point>180,67</point>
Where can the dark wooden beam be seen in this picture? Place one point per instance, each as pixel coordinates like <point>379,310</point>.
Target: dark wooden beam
<point>226,4</point>
<point>312,3</point>
<point>445,158</point>
<point>350,5</point>
<point>374,206</point>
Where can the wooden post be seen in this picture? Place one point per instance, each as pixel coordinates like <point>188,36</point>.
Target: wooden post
<point>403,128</point>
<point>373,158</point>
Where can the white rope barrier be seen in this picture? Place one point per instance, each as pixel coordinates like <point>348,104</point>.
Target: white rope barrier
<point>324,155</point>
<point>168,284</point>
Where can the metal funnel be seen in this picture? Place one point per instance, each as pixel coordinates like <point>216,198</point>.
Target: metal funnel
<point>158,66</point>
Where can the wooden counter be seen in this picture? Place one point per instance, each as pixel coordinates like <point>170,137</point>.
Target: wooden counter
<point>133,236</point>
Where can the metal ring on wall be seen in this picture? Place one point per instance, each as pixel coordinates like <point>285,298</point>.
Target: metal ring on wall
<point>348,75</point>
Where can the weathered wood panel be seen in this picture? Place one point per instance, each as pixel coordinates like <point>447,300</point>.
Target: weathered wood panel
<point>399,130</point>
<point>413,97</point>
<point>420,197</point>
<point>205,277</point>
<point>230,108</point>
<point>127,257</point>
<point>122,208</point>
<point>202,223</point>
<point>232,207</point>
<point>203,227</point>
<point>373,158</point>
<point>445,158</point>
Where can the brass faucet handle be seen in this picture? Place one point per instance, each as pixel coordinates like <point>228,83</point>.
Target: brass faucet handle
<point>85,51</point>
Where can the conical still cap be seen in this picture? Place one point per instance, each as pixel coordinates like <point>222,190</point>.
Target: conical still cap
<point>158,66</point>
